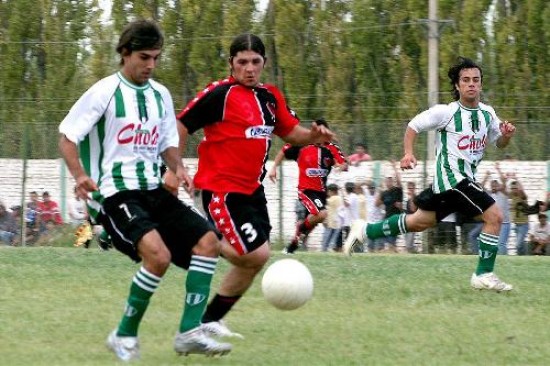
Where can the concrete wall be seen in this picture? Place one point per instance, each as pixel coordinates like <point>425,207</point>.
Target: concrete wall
<point>51,175</point>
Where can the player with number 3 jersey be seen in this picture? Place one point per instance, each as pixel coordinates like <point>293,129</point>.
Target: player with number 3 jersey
<point>239,116</point>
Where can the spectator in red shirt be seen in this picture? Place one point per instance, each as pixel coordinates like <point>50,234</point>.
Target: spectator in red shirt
<point>239,115</point>
<point>360,155</point>
<point>48,211</point>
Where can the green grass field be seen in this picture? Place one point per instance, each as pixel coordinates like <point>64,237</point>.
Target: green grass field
<point>57,306</point>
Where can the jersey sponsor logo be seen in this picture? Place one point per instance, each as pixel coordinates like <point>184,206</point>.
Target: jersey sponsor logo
<point>315,172</point>
<point>259,132</point>
<point>142,138</point>
<point>472,143</point>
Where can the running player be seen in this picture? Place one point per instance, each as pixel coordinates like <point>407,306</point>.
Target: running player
<point>464,129</point>
<point>315,161</point>
<point>239,116</point>
<point>111,140</point>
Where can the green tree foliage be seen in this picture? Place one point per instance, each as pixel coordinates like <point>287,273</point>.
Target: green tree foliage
<point>42,55</point>
<point>361,64</point>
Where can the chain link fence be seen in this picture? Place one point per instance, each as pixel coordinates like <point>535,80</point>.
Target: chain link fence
<point>32,164</point>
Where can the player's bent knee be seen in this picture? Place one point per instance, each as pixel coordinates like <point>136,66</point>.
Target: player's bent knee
<point>157,260</point>
<point>253,260</point>
<point>208,245</point>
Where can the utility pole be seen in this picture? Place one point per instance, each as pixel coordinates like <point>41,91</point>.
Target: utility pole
<point>433,68</point>
<point>434,26</point>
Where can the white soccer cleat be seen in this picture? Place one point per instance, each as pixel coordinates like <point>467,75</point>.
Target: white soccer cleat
<point>219,329</point>
<point>489,281</point>
<point>356,236</point>
<point>196,341</point>
<point>126,348</point>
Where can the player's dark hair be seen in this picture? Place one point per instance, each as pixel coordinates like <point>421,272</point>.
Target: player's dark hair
<point>246,42</point>
<point>321,122</point>
<point>332,187</point>
<point>140,35</point>
<point>349,186</point>
<point>454,73</point>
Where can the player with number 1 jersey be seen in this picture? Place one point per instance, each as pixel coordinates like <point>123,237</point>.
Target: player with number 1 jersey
<point>122,128</point>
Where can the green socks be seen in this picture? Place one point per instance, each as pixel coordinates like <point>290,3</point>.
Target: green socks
<point>143,286</point>
<point>197,286</point>
<point>488,248</point>
<point>392,226</point>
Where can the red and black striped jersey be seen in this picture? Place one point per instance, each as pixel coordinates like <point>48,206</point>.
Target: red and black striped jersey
<point>315,161</point>
<point>238,124</point>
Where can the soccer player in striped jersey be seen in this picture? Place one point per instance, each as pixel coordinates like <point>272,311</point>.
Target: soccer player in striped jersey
<point>112,140</point>
<point>463,128</point>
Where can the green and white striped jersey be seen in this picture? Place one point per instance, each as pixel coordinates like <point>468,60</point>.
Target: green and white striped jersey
<point>121,129</point>
<point>462,135</point>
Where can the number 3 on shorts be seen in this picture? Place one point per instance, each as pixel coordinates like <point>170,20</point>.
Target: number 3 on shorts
<point>250,232</point>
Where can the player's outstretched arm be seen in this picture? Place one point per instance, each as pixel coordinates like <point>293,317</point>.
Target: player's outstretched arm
<point>409,160</point>
<point>273,171</point>
<point>300,136</point>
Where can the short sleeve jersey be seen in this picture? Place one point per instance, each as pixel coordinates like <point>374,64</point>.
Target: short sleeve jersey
<point>121,129</point>
<point>461,139</point>
<point>238,124</point>
<point>314,163</point>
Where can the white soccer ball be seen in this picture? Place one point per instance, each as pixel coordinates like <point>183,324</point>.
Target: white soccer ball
<point>287,284</point>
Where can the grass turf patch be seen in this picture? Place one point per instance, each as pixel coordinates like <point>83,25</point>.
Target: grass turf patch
<point>58,304</point>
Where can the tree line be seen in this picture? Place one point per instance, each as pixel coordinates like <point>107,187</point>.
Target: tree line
<point>360,64</point>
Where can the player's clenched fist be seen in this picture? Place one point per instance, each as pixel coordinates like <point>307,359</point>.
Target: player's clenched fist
<point>507,129</point>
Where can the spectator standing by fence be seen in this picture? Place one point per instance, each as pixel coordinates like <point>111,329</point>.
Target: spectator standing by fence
<point>8,226</point>
<point>540,236</point>
<point>519,210</point>
<point>332,222</point>
<point>375,213</point>
<point>49,213</point>
<point>499,192</point>
<point>31,212</point>
<point>350,208</point>
<point>360,155</point>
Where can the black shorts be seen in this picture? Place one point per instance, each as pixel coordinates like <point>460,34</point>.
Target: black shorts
<point>128,215</point>
<point>313,201</point>
<point>467,197</point>
<point>241,218</point>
